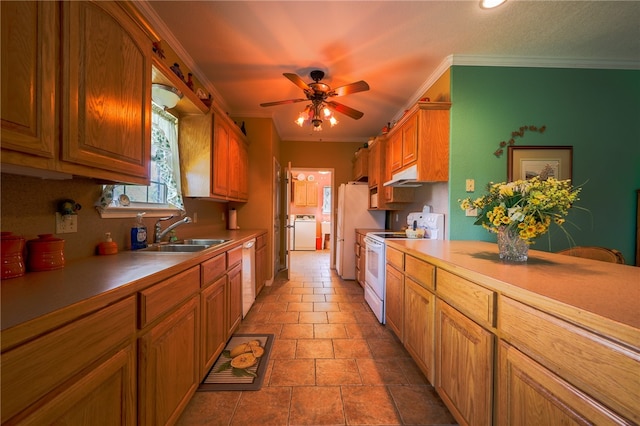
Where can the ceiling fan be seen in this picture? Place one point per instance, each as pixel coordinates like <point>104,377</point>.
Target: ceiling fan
<point>319,93</point>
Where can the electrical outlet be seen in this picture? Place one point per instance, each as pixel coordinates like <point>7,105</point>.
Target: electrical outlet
<point>471,212</point>
<point>66,224</point>
<point>470,186</point>
<point>397,217</point>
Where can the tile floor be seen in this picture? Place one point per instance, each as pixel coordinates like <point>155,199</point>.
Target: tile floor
<point>332,363</point>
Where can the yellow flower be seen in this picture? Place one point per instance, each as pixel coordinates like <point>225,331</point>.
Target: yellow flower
<point>530,206</point>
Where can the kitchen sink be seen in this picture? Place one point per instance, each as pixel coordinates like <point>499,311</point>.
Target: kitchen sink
<point>206,242</point>
<point>187,246</point>
<point>175,248</point>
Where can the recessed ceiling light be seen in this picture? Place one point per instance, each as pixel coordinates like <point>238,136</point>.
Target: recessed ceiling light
<point>490,4</point>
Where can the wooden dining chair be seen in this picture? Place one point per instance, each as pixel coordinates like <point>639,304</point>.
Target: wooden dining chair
<point>596,253</point>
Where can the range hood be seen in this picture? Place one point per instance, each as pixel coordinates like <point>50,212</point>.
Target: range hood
<point>407,178</point>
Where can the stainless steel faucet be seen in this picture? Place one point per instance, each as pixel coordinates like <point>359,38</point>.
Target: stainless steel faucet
<point>159,234</point>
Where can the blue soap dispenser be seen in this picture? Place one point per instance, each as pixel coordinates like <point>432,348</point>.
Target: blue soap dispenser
<point>138,234</point>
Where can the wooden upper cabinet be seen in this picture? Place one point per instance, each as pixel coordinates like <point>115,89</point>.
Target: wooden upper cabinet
<point>374,163</point>
<point>221,166</point>
<point>410,140</point>
<point>305,194</point>
<point>106,90</point>
<point>421,137</point>
<point>214,157</point>
<point>394,153</point>
<point>29,56</point>
<point>361,165</point>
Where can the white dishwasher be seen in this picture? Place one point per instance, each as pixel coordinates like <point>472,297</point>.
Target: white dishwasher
<point>304,232</point>
<point>248,275</point>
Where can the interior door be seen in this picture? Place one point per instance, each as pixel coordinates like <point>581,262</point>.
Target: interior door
<point>288,225</point>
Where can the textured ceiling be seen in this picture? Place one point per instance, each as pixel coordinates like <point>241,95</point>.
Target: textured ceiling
<point>240,49</point>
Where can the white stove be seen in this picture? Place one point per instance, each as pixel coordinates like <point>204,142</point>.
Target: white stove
<point>374,291</point>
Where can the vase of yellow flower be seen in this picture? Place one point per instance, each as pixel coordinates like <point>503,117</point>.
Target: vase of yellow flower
<point>522,210</point>
<point>510,246</point>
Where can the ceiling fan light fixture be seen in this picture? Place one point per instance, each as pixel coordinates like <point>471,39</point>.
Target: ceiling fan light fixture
<point>490,4</point>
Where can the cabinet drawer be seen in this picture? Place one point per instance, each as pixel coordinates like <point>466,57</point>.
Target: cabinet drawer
<point>420,271</point>
<point>164,296</point>
<point>605,370</point>
<point>34,369</point>
<point>234,256</point>
<point>395,258</point>
<point>213,268</point>
<point>469,298</point>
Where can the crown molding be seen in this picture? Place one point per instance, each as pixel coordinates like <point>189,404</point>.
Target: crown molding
<point>540,62</point>
<point>513,61</point>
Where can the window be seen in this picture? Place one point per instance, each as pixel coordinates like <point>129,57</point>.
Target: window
<point>163,196</point>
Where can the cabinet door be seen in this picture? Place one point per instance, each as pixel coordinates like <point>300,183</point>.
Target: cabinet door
<point>234,166</point>
<point>374,164</point>
<point>261,268</point>
<point>243,162</point>
<point>235,299</point>
<point>29,53</point>
<point>214,327</point>
<point>419,317</point>
<point>530,394</point>
<point>106,92</point>
<point>300,193</point>
<point>395,299</point>
<point>169,372</point>
<point>394,152</point>
<point>220,160</point>
<point>107,393</point>
<point>464,360</point>
<point>410,141</point>
<point>312,194</point>
<point>37,370</point>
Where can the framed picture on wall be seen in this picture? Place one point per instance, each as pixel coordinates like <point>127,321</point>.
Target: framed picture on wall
<point>525,162</point>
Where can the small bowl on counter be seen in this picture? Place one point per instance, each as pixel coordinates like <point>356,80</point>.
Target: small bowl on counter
<point>415,233</point>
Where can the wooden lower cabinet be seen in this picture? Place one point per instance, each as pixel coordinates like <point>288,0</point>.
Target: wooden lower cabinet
<point>261,262</point>
<point>75,374</point>
<point>419,317</point>
<point>234,309</point>
<point>169,372</point>
<point>529,394</point>
<point>214,326</point>
<point>107,394</point>
<point>394,303</point>
<point>464,366</point>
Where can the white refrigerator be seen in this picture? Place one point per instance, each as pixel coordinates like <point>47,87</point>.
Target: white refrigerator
<point>353,204</point>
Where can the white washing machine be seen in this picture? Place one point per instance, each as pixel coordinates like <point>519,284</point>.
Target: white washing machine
<point>304,232</point>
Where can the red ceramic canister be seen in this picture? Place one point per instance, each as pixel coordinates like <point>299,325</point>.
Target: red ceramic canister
<point>46,253</point>
<point>12,259</point>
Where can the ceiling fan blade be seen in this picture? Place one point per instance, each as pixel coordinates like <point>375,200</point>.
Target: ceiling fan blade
<point>288,101</point>
<point>348,111</point>
<point>358,86</point>
<point>297,80</point>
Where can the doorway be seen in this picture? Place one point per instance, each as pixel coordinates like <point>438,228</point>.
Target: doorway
<point>311,200</point>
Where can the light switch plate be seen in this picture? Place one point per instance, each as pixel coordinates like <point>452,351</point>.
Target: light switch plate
<point>471,212</point>
<point>66,224</point>
<point>470,185</point>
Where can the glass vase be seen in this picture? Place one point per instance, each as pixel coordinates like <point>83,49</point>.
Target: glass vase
<point>510,246</point>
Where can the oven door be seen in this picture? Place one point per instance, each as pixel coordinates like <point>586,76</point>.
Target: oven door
<point>374,265</point>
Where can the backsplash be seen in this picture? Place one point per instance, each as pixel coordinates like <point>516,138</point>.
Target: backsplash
<point>29,205</point>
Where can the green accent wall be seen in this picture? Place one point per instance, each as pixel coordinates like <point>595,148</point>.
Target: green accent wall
<point>595,111</point>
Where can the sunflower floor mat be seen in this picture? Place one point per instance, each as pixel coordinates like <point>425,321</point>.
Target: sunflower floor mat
<point>241,365</point>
